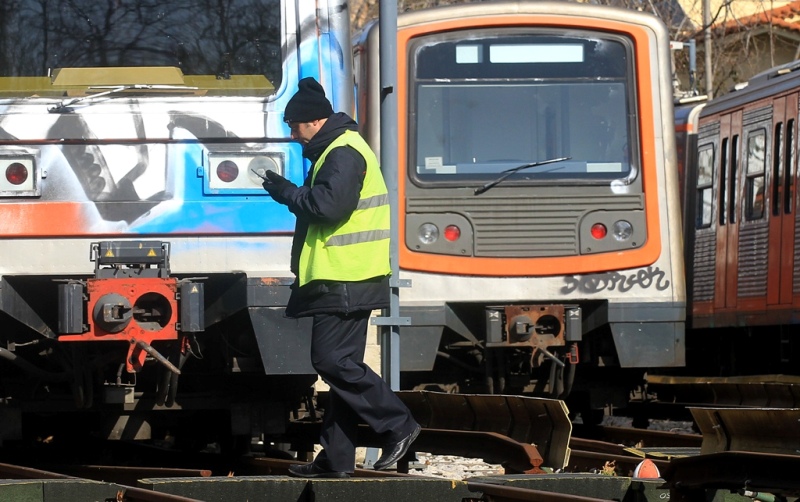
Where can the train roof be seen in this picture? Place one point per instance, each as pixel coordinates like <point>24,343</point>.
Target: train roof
<point>518,7</point>
<point>767,83</point>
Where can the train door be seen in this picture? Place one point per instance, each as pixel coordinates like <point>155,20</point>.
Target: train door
<point>757,159</point>
<point>727,230</point>
<point>781,202</point>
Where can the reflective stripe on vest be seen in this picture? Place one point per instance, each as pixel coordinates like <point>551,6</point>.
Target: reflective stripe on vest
<point>356,249</point>
<point>357,237</point>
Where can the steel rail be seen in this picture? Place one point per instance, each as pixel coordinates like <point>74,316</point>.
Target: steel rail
<point>646,437</point>
<point>503,493</point>
<point>124,493</point>
<point>690,477</point>
<point>765,430</point>
<point>624,465</point>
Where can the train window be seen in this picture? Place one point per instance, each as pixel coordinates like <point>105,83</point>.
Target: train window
<point>705,179</point>
<point>495,101</point>
<point>723,182</point>
<point>732,179</point>
<point>754,182</point>
<point>789,170</point>
<point>469,54</point>
<point>545,53</point>
<point>777,167</point>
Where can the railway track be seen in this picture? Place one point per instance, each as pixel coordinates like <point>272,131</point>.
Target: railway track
<point>273,485</point>
<point>739,449</point>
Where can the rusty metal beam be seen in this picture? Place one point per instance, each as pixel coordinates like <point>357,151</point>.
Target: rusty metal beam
<point>8,471</point>
<point>765,430</point>
<point>689,477</point>
<point>759,391</point>
<point>541,422</point>
<point>131,494</point>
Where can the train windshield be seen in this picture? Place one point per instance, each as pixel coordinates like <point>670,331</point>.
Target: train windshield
<point>490,103</point>
<point>231,47</point>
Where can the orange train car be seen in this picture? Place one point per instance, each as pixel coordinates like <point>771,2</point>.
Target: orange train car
<point>539,203</point>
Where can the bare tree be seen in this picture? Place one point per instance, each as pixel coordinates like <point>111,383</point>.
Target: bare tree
<point>217,37</point>
<point>744,42</point>
<point>744,45</point>
<point>362,11</point>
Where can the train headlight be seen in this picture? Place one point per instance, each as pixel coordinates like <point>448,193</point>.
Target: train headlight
<point>622,230</point>
<point>439,233</point>
<point>428,233</point>
<point>605,231</point>
<point>232,172</point>
<point>599,231</point>
<point>261,165</point>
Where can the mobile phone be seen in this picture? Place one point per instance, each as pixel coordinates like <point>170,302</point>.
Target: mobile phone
<point>260,175</point>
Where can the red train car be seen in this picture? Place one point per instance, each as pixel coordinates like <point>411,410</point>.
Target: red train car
<point>742,227</point>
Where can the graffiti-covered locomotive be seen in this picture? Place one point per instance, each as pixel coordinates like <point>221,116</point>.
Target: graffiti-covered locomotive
<point>144,267</point>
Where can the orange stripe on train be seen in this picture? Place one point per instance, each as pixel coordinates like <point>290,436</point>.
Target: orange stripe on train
<point>41,219</point>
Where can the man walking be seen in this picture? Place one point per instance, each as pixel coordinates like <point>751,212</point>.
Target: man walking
<point>340,257</point>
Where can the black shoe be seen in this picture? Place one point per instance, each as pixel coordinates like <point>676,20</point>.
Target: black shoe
<point>395,452</point>
<point>314,471</point>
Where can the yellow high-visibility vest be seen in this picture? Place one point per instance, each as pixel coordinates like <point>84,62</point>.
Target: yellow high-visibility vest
<point>358,248</point>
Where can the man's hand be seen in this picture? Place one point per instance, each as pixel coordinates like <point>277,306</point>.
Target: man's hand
<point>275,184</point>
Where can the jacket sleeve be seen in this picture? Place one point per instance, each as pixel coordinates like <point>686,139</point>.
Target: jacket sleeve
<point>336,189</point>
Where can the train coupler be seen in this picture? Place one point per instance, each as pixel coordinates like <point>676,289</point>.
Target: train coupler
<point>131,299</point>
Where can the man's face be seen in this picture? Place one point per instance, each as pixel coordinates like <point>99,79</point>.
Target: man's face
<point>304,131</point>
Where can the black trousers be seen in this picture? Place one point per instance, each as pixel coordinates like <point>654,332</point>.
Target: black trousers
<point>357,394</point>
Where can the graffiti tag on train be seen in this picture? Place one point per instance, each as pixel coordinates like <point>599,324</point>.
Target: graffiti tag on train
<point>644,278</point>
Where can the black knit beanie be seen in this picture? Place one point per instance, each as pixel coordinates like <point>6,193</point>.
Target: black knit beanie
<point>309,103</point>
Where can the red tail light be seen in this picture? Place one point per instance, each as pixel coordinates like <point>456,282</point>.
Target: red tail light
<point>452,233</point>
<point>16,173</point>
<point>599,231</point>
<point>227,171</point>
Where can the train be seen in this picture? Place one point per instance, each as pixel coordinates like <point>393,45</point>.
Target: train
<point>740,179</point>
<point>564,229</point>
<point>145,270</point>
<point>539,201</point>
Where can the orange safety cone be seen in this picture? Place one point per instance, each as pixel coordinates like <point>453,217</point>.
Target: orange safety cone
<point>647,470</point>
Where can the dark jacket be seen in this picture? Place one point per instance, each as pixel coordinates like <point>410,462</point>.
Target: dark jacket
<point>333,198</point>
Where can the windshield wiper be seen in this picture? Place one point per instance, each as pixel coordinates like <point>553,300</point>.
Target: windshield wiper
<point>509,172</point>
<point>67,103</point>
